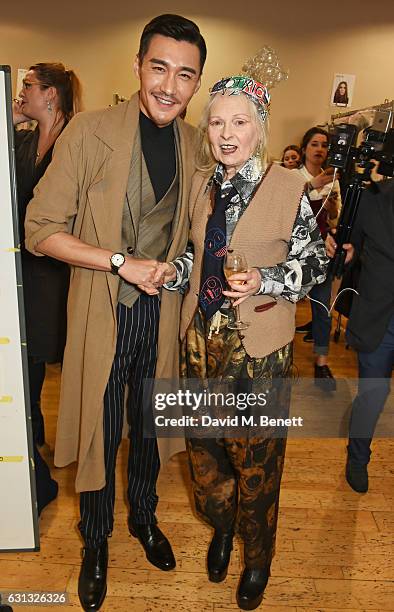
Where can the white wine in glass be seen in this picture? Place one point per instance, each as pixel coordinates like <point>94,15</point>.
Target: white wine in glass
<point>235,262</point>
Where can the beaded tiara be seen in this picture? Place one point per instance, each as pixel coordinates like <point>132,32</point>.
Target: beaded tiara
<point>256,91</point>
<point>262,72</point>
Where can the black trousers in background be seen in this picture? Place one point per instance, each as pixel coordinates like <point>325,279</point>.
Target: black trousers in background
<point>46,486</point>
<point>36,381</point>
<point>374,370</point>
<point>135,360</point>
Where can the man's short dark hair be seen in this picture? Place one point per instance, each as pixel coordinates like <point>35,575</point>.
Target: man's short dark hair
<point>173,26</point>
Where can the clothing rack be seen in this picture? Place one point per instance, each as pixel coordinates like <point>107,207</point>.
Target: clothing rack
<point>386,105</point>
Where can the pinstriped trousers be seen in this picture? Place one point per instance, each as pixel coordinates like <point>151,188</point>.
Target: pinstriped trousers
<point>135,360</point>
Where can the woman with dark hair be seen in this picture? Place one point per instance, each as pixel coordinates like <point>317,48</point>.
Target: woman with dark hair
<point>341,94</point>
<point>239,204</point>
<point>50,95</point>
<point>291,157</point>
<point>325,200</point>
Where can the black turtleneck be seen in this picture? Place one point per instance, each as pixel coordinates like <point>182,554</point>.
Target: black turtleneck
<point>158,148</point>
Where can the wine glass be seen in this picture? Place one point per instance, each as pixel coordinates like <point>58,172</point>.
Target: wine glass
<point>235,262</point>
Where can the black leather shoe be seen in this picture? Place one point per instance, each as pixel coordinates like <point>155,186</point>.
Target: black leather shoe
<point>92,583</point>
<point>303,329</point>
<point>157,548</point>
<point>251,588</point>
<point>324,378</point>
<point>357,476</point>
<point>219,555</point>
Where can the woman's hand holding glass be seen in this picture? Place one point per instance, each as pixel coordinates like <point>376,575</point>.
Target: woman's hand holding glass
<point>251,283</point>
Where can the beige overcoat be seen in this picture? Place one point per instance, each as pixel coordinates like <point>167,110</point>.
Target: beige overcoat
<point>82,193</point>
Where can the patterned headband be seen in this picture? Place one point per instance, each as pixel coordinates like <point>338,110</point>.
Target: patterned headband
<point>257,92</point>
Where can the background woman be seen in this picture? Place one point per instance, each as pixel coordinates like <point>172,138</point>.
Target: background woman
<point>319,185</point>
<point>341,95</point>
<point>50,95</point>
<point>291,157</point>
<point>236,203</point>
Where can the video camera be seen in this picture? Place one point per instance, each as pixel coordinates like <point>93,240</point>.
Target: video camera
<point>378,145</point>
<point>356,164</point>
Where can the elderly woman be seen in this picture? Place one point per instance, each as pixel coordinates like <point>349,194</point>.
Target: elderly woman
<point>239,204</point>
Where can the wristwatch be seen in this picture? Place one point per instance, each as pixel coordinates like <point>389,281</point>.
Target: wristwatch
<point>117,260</point>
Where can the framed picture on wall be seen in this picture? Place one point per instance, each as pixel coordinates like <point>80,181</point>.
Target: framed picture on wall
<point>342,89</point>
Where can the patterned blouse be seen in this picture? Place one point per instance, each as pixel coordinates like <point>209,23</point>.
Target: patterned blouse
<point>306,263</point>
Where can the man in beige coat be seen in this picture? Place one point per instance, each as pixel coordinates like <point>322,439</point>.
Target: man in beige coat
<point>112,204</point>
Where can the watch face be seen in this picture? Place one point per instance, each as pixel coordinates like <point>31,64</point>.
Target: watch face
<point>117,259</point>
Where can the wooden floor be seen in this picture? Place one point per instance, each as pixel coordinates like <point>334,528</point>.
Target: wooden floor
<point>334,551</point>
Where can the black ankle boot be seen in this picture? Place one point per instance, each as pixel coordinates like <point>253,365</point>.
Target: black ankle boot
<point>251,587</point>
<point>157,548</point>
<point>92,583</point>
<point>219,555</point>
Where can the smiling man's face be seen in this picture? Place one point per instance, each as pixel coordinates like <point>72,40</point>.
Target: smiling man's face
<point>170,75</point>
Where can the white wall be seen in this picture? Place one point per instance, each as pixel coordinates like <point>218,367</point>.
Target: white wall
<point>314,41</point>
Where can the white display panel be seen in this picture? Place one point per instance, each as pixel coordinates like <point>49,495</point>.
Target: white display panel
<point>18,514</point>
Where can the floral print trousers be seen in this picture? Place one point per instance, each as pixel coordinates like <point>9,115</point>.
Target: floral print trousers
<point>236,481</point>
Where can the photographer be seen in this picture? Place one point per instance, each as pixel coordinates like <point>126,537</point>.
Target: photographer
<point>370,329</point>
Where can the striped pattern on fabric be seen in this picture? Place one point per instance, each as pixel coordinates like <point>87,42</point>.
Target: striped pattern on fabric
<point>135,360</point>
